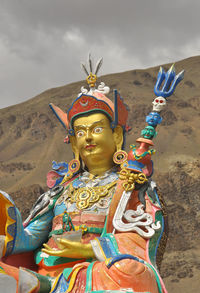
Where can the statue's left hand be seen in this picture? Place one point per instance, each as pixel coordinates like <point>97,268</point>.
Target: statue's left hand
<point>71,249</point>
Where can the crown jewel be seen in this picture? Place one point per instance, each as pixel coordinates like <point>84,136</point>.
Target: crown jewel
<point>92,78</point>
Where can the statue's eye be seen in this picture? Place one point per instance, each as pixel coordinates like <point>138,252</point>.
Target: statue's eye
<point>80,133</point>
<point>98,129</point>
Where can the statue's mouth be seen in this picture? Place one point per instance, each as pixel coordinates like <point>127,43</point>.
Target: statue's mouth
<point>90,146</point>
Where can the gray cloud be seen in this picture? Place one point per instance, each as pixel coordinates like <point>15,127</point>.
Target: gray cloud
<point>43,42</point>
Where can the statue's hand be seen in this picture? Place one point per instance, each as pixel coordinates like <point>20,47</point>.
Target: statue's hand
<point>71,249</point>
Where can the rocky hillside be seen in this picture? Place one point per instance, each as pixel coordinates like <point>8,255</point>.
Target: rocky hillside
<point>31,137</point>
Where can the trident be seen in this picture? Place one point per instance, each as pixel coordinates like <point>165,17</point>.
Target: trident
<point>171,81</point>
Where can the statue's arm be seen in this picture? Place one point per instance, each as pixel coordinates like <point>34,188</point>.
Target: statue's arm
<point>15,237</point>
<point>34,235</point>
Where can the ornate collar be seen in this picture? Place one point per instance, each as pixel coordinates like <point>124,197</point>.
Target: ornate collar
<point>85,181</point>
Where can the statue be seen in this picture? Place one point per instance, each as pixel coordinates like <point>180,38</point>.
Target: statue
<point>101,225</point>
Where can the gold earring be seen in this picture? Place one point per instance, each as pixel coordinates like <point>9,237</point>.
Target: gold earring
<point>73,167</point>
<point>120,157</point>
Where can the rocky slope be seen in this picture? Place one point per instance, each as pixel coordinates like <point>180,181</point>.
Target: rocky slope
<point>31,137</point>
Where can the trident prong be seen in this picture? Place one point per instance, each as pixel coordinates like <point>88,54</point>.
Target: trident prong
<point>171,81</point>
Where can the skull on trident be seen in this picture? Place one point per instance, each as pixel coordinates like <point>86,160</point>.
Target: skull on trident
<point>158,104</point>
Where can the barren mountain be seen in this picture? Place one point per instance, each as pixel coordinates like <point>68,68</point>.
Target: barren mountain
<point>31,137</point>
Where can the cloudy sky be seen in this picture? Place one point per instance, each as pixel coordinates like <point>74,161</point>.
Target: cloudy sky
<point>43,41</point>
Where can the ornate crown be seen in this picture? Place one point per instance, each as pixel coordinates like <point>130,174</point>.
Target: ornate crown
<point>93,100</point>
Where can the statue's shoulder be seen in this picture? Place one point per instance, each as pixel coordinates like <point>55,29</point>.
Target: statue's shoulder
<point>47,200</point>
<point>44,203</point>
<point>61,174</point>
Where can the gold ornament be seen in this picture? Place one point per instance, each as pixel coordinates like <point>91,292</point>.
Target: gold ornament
<point>74,165</point>
<point>86,196</point>
<point>131,178</point>
<point>91,79</point>
<point>120,157</point>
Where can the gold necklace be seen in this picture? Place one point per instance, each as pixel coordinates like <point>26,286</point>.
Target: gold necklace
<point>87,196</point>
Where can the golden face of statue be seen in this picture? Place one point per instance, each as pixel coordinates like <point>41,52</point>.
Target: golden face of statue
<point>94,140</point>
<point>94,136</point>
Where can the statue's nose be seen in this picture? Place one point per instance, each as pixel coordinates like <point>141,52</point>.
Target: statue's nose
<point>88,136</point>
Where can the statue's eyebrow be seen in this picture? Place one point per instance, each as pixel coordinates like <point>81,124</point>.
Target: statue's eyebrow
<point>81,126</point>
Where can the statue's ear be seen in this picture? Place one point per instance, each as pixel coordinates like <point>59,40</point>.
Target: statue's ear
<point>118,137</point>
<point>74,146</point>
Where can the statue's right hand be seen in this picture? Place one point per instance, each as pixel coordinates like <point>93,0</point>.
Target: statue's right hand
<point>72,249</point>
<point>2,243</point>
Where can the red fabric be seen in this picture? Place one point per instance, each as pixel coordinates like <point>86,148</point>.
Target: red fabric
<point>24,259</point>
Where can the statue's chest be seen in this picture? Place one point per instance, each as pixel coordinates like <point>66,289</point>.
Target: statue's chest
<point>82,209</point>
<point>95,199</point>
